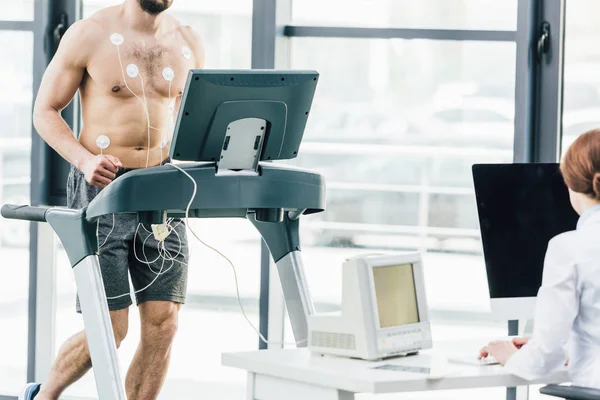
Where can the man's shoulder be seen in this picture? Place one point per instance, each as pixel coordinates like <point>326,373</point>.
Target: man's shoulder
<point>96,27</point>
<point>80,40</point>
<point>87,31</point>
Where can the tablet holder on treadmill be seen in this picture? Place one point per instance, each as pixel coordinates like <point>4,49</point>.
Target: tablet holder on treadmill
<point>237,120</point>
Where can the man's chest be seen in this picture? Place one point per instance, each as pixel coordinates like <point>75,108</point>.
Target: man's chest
<point>157,69</point>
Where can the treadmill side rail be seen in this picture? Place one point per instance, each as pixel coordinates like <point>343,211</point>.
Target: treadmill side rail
<point>297,296</point>
<point>77,234</point>
<point>281,237</point>
<point>98,329</point>
<point>283,240</point>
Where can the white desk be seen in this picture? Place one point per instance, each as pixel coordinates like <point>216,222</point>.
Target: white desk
<point>296,374</point>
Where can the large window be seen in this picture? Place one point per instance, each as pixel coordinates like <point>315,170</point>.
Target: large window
<point>211,321</point>
<point>581,78</point>
<point>397,147</point>
<point>16,69</point>
<point>395,127</point>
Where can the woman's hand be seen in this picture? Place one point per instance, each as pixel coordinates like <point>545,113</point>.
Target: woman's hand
<point>501,351</point>
<point>520,342</point>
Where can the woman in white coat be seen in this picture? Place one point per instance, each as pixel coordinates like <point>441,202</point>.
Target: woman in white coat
<point>567,316</point>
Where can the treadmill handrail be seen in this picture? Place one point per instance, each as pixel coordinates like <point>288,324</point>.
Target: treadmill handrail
<point>24,212</point>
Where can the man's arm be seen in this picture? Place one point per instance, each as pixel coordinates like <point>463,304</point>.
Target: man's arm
<point>59,85</point>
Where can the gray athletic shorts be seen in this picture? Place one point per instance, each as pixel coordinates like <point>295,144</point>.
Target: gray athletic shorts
<point>131,250</point>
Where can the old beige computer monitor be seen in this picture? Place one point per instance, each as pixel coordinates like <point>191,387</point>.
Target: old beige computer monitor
<point>384,310</point>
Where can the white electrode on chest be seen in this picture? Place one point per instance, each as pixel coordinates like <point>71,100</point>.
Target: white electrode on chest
<point>163,143</point>
<point>103,142</point>
<point>168,74</point>
<point>186,52</point>
<point>172,106</point>
<point>133,71</point>
<point>117,39</point>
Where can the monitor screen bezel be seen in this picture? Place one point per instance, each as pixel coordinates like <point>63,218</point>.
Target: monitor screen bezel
<point>211,101</point>
<point>419,282</point>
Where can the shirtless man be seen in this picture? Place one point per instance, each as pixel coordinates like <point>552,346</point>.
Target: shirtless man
<point>130,64</point>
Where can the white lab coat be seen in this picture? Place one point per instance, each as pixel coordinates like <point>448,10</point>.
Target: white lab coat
<point>567,315</point>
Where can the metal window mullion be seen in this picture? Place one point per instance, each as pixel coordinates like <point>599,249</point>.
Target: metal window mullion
<point>526,75</point>
<point>525,80</point>
<point>549,106</point>
<point>283,42</point>
<point>398,33</point>
<point>37,159</point>
<point>42,282</point>
<point>263,34</point>
<point>58,167</point>
<point>49,170</point>
<point>538,97</point>
<point>270,48</point>
<point>263,57</point>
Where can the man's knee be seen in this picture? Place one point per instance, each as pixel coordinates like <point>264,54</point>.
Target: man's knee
<point>159,322</point>
<point>120,324</point>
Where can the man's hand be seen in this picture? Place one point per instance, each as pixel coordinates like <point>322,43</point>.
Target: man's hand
<point>501,351</point>
<point>100,170</point>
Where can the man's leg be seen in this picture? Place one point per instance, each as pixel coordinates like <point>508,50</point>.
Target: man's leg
<point>73,360</point>
<point>149,366</point>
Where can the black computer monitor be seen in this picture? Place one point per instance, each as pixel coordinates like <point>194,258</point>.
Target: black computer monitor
<point>521,207</point>
<point>213,100</point>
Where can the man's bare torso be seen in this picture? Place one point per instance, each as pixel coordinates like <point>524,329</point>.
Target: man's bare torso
<point>110,108</point>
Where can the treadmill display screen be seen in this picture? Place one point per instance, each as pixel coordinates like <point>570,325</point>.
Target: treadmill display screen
<point>521,207</point>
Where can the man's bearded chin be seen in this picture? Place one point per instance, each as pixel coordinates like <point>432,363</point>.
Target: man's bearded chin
<point>155,7</point>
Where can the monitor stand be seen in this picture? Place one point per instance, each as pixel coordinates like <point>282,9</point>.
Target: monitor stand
<point>513,308</point>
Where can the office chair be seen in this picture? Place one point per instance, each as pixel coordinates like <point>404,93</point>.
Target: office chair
<point>571,392</point>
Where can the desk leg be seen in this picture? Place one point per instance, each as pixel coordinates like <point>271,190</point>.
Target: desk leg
<point>513,329</point>
<point>521,392</point>
<point>250,386</point>
<point>263,387</point>
<point>517,393</point>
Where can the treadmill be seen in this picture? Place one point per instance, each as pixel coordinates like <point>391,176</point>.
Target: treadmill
<point>231,126</point>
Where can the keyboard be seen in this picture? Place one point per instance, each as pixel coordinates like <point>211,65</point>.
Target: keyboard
<point>472,360</point>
